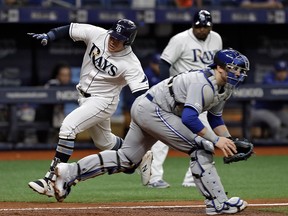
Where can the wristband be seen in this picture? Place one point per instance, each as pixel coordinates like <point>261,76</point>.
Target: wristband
<point>211,136</point>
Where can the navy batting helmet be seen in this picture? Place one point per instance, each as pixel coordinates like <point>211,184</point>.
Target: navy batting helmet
<point>232,61</point>
<point>202,18</point>
<point>124,30</point>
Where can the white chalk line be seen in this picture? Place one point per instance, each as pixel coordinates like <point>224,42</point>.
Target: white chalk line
<point>132,207</point>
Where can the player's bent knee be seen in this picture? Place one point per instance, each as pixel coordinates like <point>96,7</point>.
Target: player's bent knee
<point>67,132</point>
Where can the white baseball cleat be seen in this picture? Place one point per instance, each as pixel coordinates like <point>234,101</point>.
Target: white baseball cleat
<point>145,167</point>
<point>188,180</point>
<point>231,206</point>
<point>62,185</point>
<point>42,186</point>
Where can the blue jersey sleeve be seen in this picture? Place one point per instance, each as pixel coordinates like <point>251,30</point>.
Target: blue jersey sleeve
<point>214,120</point>
<point>190,119</point>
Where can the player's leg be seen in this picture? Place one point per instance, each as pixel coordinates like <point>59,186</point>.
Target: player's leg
<point>126,159</point>
<point>159,152</point>
<point>103,138</point>
<point>283,116</point>
<point>209,185</point>
<point>268,118</point>
<point>89,113</point>
<point>188,179</point>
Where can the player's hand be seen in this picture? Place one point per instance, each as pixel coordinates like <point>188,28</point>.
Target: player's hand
<point>227,146</point>
<point>43,37</point>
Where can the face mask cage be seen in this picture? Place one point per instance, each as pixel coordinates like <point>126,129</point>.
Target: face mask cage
<point>237,70</point>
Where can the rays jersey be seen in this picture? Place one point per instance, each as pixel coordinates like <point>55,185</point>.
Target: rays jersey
<point>196,90</point>
<point>185,52</point>
<point>104,73</point>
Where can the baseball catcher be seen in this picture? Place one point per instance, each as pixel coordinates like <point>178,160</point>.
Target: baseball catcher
<point>244,151</point>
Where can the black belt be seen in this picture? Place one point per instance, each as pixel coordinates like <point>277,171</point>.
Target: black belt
<point>84,94</point>
<point>149,97</point>
<point>170,86</point>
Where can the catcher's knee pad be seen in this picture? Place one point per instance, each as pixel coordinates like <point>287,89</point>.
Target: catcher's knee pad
<point>206,177</point>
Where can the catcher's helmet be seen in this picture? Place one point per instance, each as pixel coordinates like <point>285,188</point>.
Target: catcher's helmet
<point>124,30</point>
<point>232,61</point>
<point>202,18</point>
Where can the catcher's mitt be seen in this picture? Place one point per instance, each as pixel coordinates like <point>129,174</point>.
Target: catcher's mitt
<point>244,151</point>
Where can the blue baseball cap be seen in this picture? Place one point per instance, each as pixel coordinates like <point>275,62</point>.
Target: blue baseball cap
<point>281,65</point>
<point>155,58</point>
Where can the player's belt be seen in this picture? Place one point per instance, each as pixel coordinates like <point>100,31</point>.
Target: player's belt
<point>170,86</point>
<point>84,94</point>
<point>149,97</point>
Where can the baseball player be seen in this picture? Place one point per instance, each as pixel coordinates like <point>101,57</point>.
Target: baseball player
<point>169,112</point>
<point>108,65</point>
<point>190,49</point>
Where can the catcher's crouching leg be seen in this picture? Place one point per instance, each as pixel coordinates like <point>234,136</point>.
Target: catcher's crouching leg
<point>209,184</point>
<point>69,174</point>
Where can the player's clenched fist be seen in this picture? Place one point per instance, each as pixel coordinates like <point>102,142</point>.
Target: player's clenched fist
<point>43,37</point>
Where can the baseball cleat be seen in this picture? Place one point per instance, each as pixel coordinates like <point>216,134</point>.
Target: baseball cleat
<point>42,186</point>
<point>159,184</point>
<point>145,167</point>
<point>188,180</point>
<point>188,184</point>
<point>231,206</point>
<point>62,184</point>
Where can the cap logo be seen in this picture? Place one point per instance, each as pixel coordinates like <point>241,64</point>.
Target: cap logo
<point>202,17</point>
<point>118,28</point>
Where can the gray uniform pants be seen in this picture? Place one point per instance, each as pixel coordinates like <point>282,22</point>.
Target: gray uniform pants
<point>277,121</point>
<point>156,124</point>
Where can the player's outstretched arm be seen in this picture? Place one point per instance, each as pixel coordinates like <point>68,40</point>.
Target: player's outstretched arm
<point>53,34</point>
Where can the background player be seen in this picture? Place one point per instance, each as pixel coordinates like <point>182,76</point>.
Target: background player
<point>108,65</point>
<point>191,49</point>
<point>169,112</point>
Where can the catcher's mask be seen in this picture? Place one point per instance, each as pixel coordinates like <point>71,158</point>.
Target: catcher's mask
<point>124,30</point>
<point>235,63</point>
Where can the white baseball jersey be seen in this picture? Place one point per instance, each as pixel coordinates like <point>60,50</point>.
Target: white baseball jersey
<point>104,73</point>
<point>185,52</point>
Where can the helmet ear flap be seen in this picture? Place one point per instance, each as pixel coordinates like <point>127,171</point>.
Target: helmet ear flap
<point>131,39</point>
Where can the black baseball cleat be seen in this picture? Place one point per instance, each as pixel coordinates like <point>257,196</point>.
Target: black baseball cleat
<point>43,187</point>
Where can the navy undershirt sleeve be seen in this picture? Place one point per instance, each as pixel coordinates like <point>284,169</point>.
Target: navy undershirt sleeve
<point>59,32</point>
<point>214,120</point>
<point>190,119</point>
<point>164,69</point>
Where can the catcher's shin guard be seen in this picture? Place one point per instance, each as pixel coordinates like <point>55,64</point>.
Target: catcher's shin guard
<point>108,161</point>
<point>206,177</point>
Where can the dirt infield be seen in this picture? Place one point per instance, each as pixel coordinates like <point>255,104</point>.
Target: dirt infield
<point>178,208</point>
<point>124,209</point>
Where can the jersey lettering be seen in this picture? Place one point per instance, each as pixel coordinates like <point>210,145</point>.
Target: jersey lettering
<point>206,57</point>
<point>101,63</point>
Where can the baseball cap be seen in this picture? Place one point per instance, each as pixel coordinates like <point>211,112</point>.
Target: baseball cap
<point>281,65</point>
<point>155,58</point>
<point>202,18</point>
